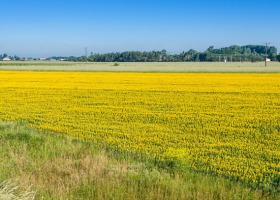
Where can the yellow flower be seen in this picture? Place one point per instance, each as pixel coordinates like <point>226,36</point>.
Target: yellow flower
<point>226,124</point>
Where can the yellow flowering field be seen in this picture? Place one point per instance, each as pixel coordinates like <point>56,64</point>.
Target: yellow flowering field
<point>226,124</point>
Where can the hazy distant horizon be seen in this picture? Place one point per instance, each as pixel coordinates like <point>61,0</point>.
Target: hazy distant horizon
<point>89,52</point>
<point>64,28</point>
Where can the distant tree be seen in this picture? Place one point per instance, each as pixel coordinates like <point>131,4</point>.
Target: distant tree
<point>273,57</point>
<point>83,59</point>
<point>163,55</point>
<point>232,53</point>
<point>210,49</point>
<point>248,51</point>
<point>196,57</point>
<point>202,57</point>
<point>278,57</point>
<point>91,57</point>
<point>16,58</point>
<point>272,52</point>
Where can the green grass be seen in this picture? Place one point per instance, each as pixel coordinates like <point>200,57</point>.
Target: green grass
<point>143,67</point>
<point>54,167</point>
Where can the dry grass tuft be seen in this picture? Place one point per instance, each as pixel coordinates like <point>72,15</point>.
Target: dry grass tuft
<point>10,191</point>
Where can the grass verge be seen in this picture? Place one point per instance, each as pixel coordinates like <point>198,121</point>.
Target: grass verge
<point>39,165</point>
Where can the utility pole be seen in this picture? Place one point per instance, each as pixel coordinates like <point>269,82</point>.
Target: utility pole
<point>266,47</point>
<point>86,52</point>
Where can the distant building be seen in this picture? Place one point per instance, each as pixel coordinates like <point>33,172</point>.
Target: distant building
<point>268,60</point>
<point>43,59</point>
<point>6,59</point>
<point>23,59</point>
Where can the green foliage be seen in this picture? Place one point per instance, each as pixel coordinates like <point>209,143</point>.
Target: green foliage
<point>278,57</point>
<point>234,53</point>
<point>83,59</point>
<point>251,53</point>
<point>91,57</point>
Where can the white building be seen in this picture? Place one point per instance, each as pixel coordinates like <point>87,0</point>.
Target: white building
<point>6,59</point>
<point>268,60</point>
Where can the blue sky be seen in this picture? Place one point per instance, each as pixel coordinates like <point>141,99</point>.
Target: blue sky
<point>42,28</point>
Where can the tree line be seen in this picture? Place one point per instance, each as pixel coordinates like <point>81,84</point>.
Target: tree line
<point>248,53</point>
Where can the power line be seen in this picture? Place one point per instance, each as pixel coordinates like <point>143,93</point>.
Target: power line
<point>266,47</point>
